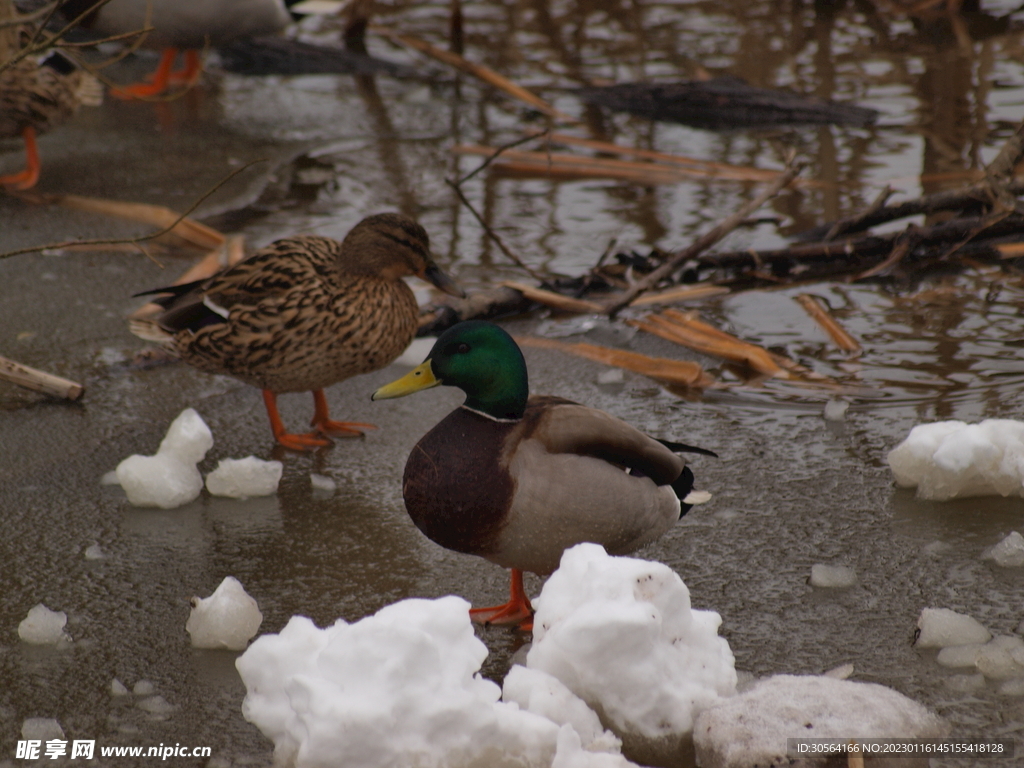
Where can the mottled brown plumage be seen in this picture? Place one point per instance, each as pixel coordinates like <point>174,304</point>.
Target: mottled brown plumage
<point>303,313</point>
<point>36,95</point>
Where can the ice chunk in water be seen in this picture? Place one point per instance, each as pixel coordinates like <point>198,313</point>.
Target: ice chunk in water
<point>1002,658</point>
<point>228,618</point>
<point>1009,552</point>
<point>941,627</point>
<point>43,626</point>
<point>832,576</point>
<point>169,478</point>
<point>244,478</point>
<point>323,484</point>
<point>950,459</point>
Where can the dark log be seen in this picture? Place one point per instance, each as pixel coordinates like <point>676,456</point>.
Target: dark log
<point>724,103</point>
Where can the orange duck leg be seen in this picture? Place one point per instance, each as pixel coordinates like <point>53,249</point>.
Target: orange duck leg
<point>303,442</point>
<point>164,76</point>
<point>27,178</point>
<point>516,611</point>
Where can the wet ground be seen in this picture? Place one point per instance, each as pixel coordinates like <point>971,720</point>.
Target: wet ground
<point>791,489</point>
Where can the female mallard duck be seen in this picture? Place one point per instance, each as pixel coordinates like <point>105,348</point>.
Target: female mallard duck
<point>36,95</point>
<point>302,314</point>
<point>189,25</point>
<point>518,479</point>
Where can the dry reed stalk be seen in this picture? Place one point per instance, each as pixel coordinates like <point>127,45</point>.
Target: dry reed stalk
<point>821,316</point>
<point>478,71</point>
<point>680,372</point>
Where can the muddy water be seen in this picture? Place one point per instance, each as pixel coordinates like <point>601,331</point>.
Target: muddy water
<point>790,489</point>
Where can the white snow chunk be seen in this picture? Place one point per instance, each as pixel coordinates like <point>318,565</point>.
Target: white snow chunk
<point>188,437</point>
<point>620,634</point>
<point>110,478</point>
<point>399,688</point>
<point>94,552</point>
<point>41,728</point>
<point>832,576</point>
<point>117,688</point>
<point>143,688</point>
<point>544,695</point>
<point>43,626</point>
<point>323,483</point>
<point>611,376</point>
<point>156,705</point>
<point>571,754</point>
<point>169,478</point>
<point>835,410</point>
<point>244,478</point>
<point>228,618</point>
<point>942,627</point>
<point>1002,658</point>
<point>752,728</point>
<point>1009,553</point>
<point>1013,687</point>
<point>958,656</point>
<point>965,683</point>
<point>948,459</point>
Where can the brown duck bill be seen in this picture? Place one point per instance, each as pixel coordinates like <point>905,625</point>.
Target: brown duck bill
<point>434,274</point>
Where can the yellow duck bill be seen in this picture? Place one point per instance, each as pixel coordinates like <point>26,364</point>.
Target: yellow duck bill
<point>420,377</point>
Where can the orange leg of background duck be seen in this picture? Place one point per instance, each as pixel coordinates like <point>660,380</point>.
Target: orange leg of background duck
<point>25,179</point>
<point>164,76</point>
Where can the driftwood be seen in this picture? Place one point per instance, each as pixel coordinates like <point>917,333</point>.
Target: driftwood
<point>723,103</point>
<point>40,381</point>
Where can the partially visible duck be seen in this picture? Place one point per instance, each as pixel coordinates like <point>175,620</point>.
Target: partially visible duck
<point>303,313</point>
<point>37,94</point>
<point>518,479</point>
<point>180,25</point>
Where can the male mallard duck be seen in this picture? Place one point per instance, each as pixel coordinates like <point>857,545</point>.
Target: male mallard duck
<point>518,479</point>
<point>302,314</point>
<point>189,25</point>
<point>36,95</point>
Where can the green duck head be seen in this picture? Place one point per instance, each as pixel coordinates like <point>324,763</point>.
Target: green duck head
<point>479,358</point>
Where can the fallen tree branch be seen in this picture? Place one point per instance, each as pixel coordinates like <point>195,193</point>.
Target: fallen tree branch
<point>40,381</point>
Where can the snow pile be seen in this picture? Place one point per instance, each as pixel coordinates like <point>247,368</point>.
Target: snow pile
<point>398,688</point>
<point>244,478</point>
<point>170,478</point>
<point>1009,553</point>
<point>752,728</point>
<point>948,459</point>
<point>43,626</point>
<point>832,576</point>
<point>941,627</point>
<point>41,729</point>
<point>228,618</point>
<point>619,633</point>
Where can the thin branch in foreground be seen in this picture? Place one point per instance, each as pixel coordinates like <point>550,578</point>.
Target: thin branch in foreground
<point>619,301</point>
<point>498,151</point>
<point>142,238</point>
<point>491,233</point>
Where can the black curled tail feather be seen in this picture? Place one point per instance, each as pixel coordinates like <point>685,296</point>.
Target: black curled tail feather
<point>682,486</point>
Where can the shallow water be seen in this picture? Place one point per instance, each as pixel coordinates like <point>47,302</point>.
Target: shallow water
<point>790,489</point>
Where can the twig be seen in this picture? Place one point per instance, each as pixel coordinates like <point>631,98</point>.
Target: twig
<point>497,152</point>
<point>142,238</point>
<point>844,225</point>
<point>820,315</point>
<point>34,47</point>
<point>906,240</point>
<point>490,232</point>
<point>616,304</point>
<point>40,381</point>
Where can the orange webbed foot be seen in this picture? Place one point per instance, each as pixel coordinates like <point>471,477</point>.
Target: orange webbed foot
<point>516,611</point>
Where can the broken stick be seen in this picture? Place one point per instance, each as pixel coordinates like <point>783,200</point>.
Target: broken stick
<point>40,381</point>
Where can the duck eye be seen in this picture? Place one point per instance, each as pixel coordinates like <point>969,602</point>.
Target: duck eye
<point>462,348</point>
